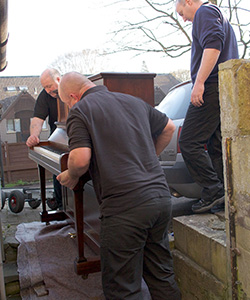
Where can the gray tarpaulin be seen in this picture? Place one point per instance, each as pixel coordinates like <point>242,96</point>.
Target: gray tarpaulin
<point>45,262</point>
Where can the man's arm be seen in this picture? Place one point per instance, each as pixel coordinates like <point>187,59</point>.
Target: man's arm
<point>208,62</point>
<point>165,137</point>
<point>78,164</point>
<point>35,130</point>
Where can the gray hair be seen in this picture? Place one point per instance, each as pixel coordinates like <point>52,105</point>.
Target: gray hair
<point>50,72</point>
<point>53,73</point>
<point>182,2</point>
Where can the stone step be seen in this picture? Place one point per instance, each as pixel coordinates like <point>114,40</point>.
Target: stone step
<point>10,249</point>
<point>195,282</point>
<point>10,272</point>
<point>11,280</point>
<point>202,238</point>
<point>11,277</point>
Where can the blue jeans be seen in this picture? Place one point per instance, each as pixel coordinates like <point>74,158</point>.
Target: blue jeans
<point>134,244</point>
<point>202,126</point>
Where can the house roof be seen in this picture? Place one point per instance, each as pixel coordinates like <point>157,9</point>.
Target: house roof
<point>162,84</point>
<point>13,85</point>
<point>159,95</point>
<point>165,82</point>
<point>7,104</point>
<point>4,104</point>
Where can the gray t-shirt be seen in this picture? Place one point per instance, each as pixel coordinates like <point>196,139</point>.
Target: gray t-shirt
<point>119,128</point>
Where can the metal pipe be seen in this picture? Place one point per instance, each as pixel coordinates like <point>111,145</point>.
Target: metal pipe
<point>231,219</point>
<point>3,64</point>
<point>2,283</point>
<point>3,33</point>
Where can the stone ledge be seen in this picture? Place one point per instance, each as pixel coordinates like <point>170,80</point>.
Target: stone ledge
<point>195,282</point>
<point>10,249</point>
<point>13,290</point>
<point>202,238</point>
<point>10,272</point>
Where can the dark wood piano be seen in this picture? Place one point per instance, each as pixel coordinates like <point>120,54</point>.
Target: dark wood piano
<point>52,155</point>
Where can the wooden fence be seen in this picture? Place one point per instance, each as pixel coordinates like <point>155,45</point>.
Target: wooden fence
<point>17,165</point>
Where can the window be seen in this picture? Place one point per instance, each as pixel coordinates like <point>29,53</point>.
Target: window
<point>44,125</point>
<point>13,125</point>
<point>17,125</point>
<point>23,88</point>
<point>11,88</point>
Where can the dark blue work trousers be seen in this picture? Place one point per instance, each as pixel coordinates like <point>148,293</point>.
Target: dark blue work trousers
<point>134,244</point>
<point>202,126</point>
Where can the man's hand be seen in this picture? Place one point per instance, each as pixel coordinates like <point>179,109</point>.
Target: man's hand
<point>66,180</point>
<point>209,59</point>
<point>32,140</point>
<point>78,164</point>
<point>197,94</point>
<point>35,130</point>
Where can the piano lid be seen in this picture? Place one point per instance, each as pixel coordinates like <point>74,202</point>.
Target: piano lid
<point>62,111</point>
<point>59,137</point>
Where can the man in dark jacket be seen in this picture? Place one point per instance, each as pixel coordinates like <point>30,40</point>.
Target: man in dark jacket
<point>214,42</point>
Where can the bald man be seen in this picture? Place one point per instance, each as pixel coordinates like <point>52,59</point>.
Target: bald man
<point>117,137</point>
<point>46,106</point>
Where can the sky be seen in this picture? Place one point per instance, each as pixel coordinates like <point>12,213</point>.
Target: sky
<point>42,30</point>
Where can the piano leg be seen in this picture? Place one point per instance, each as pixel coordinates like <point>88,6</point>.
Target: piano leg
<point>83,266</point>
<point>78,197</point>
<point>42,186</point>
<point>45,215</point>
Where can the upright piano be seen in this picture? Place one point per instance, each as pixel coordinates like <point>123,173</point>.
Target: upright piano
<point>52,155</point>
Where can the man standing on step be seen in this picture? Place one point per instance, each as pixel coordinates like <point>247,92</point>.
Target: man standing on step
<point>214,42</point>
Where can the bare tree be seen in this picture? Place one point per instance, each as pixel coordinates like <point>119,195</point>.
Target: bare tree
<point>182,75</point>
<point>159,29</point>
<point>144,67</point>
<point>86,62</point>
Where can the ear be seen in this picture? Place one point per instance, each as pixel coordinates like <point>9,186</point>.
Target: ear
<point>75,97</point>
<point>189,2</point>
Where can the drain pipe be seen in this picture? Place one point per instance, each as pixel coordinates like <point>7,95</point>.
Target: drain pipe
<point>3,44</point>
<point>3,64</point>
<point>234,252</point>
<point>2,283</point>
<point>3,33</point>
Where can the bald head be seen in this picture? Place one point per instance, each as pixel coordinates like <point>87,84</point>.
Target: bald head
<point>182,2</point>
<point>50,72</point>
<point>50,79</point>
<point>187,8</point>
<point>72,86</point>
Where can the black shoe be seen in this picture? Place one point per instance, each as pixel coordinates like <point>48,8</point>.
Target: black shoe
<point>218,208</point>
<point>203,205</point>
